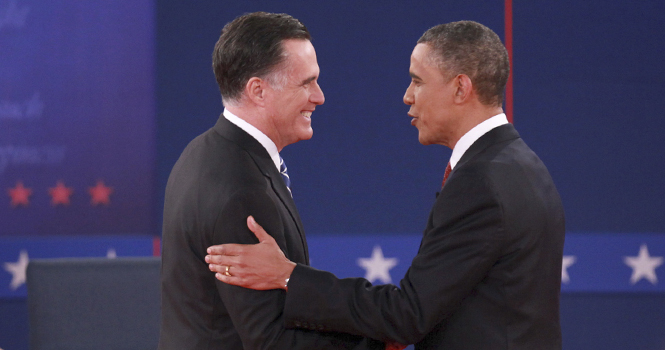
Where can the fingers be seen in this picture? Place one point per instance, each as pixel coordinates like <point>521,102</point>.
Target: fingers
<point>239,281</point>
<point>237,249</point>
<point>216,249</point>
<point>227,279</point>
<point>259,232</point>
<point>219,259</point>
<point>218,263</point>
<point>221,268</point>
<point>229,249</point>
<point>227,273</point>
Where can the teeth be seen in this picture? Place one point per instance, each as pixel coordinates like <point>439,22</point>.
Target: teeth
<point>306,114</point>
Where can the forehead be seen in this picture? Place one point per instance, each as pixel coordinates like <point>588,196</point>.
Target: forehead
<point>297,47</point>
<point>422,63</point>
<point>300,56</point>
<point>422,56</point>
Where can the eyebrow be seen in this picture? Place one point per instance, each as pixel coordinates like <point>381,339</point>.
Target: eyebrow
<point>308,80</point>
<point>414,76</point>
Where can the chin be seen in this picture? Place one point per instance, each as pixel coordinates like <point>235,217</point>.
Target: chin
<point>306,135</point>
<point>423,141</point>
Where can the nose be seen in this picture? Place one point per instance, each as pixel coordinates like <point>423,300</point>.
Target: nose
<point>408,95</point>
<point>317,96</point>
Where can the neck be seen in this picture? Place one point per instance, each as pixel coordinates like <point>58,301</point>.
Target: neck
<point>258,119</point>
<point>471,117</point>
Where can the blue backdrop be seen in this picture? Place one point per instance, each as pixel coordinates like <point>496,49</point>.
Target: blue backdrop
<point>102,98</point>
<point>77,109</point>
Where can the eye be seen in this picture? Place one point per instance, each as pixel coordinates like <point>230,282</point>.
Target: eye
<point>308,82</point>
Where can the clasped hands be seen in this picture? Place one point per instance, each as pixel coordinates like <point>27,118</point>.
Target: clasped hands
<point>261,266</point>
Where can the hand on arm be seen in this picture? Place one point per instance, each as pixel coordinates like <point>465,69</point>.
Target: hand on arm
<point>264,266</point>
<point>258,314</point>
<point>261,266</point>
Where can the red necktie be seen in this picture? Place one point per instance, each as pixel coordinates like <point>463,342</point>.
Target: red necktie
<point>446,174</point>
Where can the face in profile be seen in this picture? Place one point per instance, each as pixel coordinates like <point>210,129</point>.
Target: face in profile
<point>291,107</point>
<point>430,96</point>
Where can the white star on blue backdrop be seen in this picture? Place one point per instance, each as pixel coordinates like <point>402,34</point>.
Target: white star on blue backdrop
<point>644,266</point>
<point>568,260</point>
<point>18,270</point>
<point>377,267</point>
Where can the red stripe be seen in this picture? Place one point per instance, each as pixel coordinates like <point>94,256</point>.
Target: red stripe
<point>509,47</point>
<point>156,246</point>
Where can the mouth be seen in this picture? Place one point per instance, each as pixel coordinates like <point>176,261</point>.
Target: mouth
<point>306,114</point>
<point>413,119</point>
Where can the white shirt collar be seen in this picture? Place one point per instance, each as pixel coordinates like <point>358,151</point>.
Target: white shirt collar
<point>473,135</point>
<point>264,140</point>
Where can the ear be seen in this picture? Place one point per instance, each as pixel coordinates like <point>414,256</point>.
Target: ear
<point>463,88</point>
<point>255,90</point>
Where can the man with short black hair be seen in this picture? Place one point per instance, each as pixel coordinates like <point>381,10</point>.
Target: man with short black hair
<point>488,271</point>
<point>267,73</point>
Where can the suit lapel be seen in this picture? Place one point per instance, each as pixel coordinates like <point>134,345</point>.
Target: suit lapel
<point>285,196</point>
<point>266,165</point>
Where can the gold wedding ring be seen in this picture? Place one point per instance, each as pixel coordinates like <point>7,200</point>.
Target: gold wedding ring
<point>227,271</point>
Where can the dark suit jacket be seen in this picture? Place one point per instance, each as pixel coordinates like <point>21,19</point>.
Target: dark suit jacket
<point>488,271</point>
<point>223,176</point>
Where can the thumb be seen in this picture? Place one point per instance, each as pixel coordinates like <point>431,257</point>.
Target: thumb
<point>259,232</point>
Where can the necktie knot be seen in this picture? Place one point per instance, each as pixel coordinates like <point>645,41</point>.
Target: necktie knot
<point>285,175</point>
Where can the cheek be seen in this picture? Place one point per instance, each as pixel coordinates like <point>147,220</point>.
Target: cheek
<point>422,97</point>
<point>433,105</point>
<point>297,104</point>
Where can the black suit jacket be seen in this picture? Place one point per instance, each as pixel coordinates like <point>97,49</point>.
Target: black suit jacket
<point>223,176</point>
<point>488,271</point>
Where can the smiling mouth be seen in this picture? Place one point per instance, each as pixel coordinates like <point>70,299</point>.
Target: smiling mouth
<point>306,114</point>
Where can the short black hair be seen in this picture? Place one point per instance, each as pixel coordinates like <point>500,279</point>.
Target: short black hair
<point>251,46</point>
<point>470,48</point>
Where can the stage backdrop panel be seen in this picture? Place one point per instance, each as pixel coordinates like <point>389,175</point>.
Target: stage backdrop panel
<point>76,117</point>
<point>589,82</point>
<point>77,138</point>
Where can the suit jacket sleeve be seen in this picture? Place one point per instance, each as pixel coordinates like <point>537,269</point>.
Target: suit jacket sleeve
<point>459,246</point>
<point>257,315</point>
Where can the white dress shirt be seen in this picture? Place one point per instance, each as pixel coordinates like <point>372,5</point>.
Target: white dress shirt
<point>473,135</point>
<point>264,140</point>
